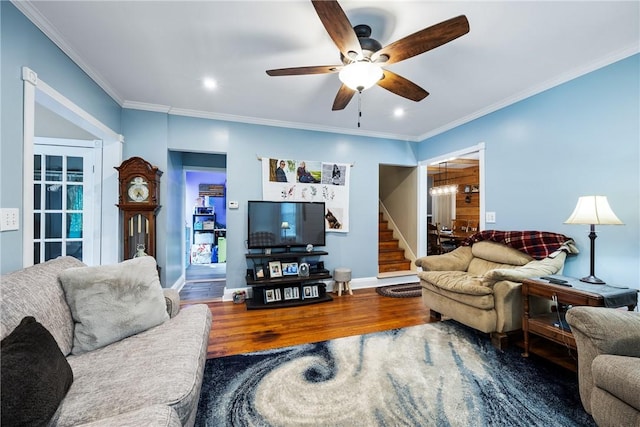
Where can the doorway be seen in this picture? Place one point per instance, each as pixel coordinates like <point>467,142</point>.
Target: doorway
<point>47,113</point>
<point>205,234</point>
<point>465,206</point>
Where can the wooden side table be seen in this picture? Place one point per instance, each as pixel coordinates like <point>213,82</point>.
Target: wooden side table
<point>577,294</point>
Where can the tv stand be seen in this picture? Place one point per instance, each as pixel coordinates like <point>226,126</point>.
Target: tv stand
<point>287,290</point>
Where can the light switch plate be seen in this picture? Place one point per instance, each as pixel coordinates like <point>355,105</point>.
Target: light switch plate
<point>233,204</point>
<point>9,219</point>
<point>490,217</point>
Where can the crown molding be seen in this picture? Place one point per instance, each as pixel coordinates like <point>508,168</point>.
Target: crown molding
<point>257,121</point>
<point>534,90</point>
<point>45,26</point>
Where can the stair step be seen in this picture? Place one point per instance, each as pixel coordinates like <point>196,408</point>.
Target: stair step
<point>388,244</point>
<point>385,235</point>
<point>391,255</point>
<point>386,267</point>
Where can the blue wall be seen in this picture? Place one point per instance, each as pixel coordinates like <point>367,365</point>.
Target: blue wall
<point>579,138</point>
<point>243,144</point>
<point>541,154</point>
<point>193,180</point>
<point>22,44</point>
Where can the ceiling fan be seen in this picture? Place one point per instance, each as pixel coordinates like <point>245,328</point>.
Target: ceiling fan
<point>363,57</point>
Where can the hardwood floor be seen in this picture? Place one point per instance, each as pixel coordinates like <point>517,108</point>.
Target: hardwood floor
<point>194,292</point>
<point>237,330</point>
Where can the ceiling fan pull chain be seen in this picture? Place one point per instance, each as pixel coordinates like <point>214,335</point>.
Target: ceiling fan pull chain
<point>359,106</point>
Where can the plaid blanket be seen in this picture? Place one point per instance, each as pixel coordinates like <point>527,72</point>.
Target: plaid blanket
<point>538,244</point>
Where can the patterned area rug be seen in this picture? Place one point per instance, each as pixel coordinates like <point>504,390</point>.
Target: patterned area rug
<point>439,374</point>
<point>406,290</point>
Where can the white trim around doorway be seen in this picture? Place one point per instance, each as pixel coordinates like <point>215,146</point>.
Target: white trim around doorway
<point>423,190</point>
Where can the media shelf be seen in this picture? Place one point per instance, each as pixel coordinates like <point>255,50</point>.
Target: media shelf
<point>289,289</point>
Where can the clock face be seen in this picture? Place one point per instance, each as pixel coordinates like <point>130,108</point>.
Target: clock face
<point>138,190</point>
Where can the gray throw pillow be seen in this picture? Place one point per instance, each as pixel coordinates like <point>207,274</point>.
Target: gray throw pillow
<point>111,302</point>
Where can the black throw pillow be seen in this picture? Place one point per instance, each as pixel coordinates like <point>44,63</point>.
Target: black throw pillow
<point>35,375</point>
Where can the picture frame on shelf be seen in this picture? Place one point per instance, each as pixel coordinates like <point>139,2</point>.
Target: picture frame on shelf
<point>306,292</point>
<point>290,268</point>
<point>275,269</point>
<point>278,294</point>
<point>291,293</point>
<point>259,272</point>
<point>269,296</point>
<point>310,291</point>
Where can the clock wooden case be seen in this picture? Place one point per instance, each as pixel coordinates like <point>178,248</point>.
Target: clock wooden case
<point>139,201</point>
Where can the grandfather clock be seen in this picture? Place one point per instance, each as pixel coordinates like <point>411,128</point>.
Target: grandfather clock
<point>139,200</point>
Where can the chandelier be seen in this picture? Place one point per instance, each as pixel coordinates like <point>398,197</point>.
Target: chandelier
<point>445,189</point>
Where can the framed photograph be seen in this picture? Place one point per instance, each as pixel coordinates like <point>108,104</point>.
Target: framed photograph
<point>307,292</point>
<point>296,293</point>
<point>259,271</point>
<point>290,268</point>
<point>288,293</point>
<point>269,295</point>
<point>275,269</point>
<point>278,294</point>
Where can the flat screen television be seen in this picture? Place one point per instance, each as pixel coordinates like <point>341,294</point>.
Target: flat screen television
<point>285,224</point>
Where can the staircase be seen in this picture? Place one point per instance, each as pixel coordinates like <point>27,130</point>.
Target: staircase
<point>390,255</point>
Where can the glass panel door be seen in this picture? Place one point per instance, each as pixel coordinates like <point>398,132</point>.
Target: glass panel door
<point>63,194</point>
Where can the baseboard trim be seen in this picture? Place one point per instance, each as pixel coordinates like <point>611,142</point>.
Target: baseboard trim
<point>178,284</point>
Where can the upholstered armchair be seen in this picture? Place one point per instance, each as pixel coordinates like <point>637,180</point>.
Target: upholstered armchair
<point>479,286</point>
<point>608,342</point>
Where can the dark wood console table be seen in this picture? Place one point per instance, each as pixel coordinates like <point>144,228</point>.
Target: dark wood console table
<point>549,325</point>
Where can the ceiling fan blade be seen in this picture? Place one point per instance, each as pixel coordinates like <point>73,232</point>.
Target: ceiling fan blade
<point>298,71</point>
<point>401,86</point>
<point>340,30</point>
<point>344,95</point>
<point>423,40</point>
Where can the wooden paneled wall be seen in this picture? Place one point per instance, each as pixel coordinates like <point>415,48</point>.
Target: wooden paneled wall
<point>467,204</point>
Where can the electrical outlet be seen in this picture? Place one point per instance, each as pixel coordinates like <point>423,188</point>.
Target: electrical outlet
<point>490,217</point>
<point>9,219</point>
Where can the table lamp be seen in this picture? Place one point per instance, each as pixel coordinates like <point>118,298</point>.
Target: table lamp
<point>593,210</point>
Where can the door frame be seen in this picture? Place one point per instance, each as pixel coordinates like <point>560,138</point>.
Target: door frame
<point>186,203</point>
<point>423,190</point>
<point>37,91</point>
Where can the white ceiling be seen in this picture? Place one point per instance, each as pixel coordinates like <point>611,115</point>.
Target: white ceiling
<point>154,55</point>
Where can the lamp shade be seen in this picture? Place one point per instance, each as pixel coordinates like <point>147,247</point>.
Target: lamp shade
<point>593,210</point>
<point>360,75</point>
<point>284,225</point>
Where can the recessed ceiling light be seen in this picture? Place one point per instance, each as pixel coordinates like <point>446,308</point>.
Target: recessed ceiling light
<point>398,112</point>
<point>210,83</point>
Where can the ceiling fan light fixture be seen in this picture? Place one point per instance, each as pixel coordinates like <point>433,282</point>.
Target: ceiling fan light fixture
<point>360,75</point>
